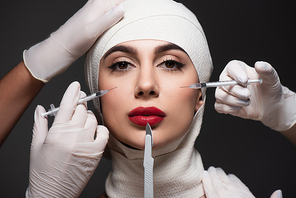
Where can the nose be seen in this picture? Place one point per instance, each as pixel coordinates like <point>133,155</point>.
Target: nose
<point>147,86</point>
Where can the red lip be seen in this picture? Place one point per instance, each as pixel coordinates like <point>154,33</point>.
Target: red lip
<point>143,115</point>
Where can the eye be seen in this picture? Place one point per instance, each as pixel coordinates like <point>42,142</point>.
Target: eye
<point>121,66</point>
<point>171,65</point>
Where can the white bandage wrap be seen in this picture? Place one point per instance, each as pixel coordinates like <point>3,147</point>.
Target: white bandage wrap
<point>178,166</point>
<point>163,20</point>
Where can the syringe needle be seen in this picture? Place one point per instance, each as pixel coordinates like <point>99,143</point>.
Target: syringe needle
<point>220,83</point>
<point>53,111</point>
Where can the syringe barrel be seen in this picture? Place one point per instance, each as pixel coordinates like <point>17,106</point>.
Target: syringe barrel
<point>50,112</point>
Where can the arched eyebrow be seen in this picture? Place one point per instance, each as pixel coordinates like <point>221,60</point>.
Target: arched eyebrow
<point>166,47</point>
<point>120,48</point>
<point>131,50</point>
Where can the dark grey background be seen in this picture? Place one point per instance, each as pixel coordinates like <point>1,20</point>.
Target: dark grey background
<point>236,29</point>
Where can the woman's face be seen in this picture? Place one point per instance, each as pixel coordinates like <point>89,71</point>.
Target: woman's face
<point>148,75</point>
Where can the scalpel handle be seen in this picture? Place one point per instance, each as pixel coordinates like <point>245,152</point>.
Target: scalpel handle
<point>148,169</point>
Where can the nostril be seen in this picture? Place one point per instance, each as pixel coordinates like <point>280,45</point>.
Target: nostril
<point>146,94</point>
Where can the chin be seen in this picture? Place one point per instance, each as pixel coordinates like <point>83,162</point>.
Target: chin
<point>138,142</point>
<point>135,140</point>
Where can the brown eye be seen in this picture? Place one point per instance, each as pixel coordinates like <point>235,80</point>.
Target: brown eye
<point>122,65</point>
<point>170,64</point>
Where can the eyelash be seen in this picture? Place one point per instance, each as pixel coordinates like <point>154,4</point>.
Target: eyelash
<point>115,66</point>
<point>177,65</point>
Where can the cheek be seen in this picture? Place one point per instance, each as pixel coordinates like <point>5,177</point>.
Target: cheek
<point>180,104</point>
<point>183,101</point>
<point>181,97</point>
<point>116,100</point>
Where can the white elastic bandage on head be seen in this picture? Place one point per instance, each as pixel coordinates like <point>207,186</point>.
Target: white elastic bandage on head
<point>163,20</point>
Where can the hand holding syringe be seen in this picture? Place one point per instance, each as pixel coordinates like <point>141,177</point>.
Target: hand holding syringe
<point>220,83</point>
<point>53,111</point>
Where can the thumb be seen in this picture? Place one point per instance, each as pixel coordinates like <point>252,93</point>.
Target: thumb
<point>277,194</point>
<point>267,73</point>
<point>40,128</point>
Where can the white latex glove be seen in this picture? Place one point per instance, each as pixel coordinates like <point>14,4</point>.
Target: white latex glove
<point>270,102</point>
<point>64,158</point>
<point>219,185</point>
<point>55,54</point>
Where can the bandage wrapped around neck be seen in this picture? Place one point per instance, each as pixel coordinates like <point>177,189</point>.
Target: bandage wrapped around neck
<point>177,166</point>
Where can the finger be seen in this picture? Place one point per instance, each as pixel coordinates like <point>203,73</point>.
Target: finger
<point>222,175</point>
<point>80,114</point>
<point>277,194</point>
<point>235,180</point>
<point>68,103</point>
<point>94,149</point>
<point>102,137</point>
<point>79,117</point>
<point>241,92</point>
<point>40,128</point>
<point>226,98</point>
<point>217,182</point>
<point>236,70</point>
<point>116,2</point>
<point>267,73</point>
<point>105,4</point>
<point>208,186</point>
<point>90,127</point>
<point>235,90</point>
<point>107,20</point>
<point>226,109</point>
<point>94,9</point>
<point>240,187</point>
<point>83,95</point>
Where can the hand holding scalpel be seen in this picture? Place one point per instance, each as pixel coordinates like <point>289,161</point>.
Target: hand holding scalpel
<point>220,83</point>
<point>148,164</point>
<point>53,111</point>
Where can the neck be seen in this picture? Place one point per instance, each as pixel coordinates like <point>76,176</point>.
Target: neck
<point>177,173</point>
<point>177,169</point>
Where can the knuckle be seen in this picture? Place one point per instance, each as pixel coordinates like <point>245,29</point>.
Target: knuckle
<point>91,118</point>
<point>218,107</point>
<point>234,62</point>
<point>220,95</point>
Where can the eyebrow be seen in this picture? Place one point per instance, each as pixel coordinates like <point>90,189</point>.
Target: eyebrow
<point>167,47</point>
<point>131,50</point>
<point>120,48</point>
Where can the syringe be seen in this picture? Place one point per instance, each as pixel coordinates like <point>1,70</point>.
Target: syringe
<point>220,83</point>
<point>53,111</point>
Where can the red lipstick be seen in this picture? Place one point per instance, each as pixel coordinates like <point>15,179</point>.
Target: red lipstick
<point>143,115</point>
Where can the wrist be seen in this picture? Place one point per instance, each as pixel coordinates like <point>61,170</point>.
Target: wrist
<point>289,109</point>
<point>46,60</point>
<point>283,115</point>
<point>30,69</point>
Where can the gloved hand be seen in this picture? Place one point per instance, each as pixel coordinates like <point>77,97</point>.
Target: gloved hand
<point>219,185</point>
<point>55,54</point>
<point>270,102</point>
<point>64,158</point>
